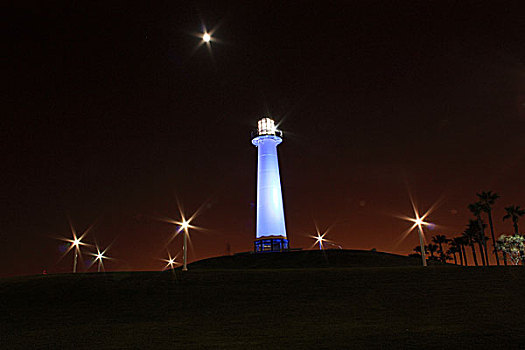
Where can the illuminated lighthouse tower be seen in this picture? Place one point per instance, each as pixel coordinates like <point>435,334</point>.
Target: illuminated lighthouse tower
<point>271,230</point>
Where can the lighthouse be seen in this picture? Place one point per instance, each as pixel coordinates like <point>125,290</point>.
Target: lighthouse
<point>270,233</point>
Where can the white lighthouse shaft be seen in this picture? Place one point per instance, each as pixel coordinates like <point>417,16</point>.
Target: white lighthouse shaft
<point>270,212</point>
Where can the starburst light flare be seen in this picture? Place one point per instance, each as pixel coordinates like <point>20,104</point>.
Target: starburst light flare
<point>99,257</point>
<point>206,38</point>
<point>319,239</point>
<point>184,226</point>
<point>75,243</point>
<point>418,222</point>
<point>171,261</point>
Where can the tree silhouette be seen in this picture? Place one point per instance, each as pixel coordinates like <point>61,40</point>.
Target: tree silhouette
<point>439,240</point>
<point>456,243</point>
<point>451,252</point>
<point>469,235</point>
<point>514,212</point>
<point>464,249</point>
<point>479,240</point>
<point>487,200</point>
<point>477,209</point>
<point>432,248</point>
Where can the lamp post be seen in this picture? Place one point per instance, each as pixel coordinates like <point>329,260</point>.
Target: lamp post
<point>75,245</point>
<point>419,222</point>
<point>320,239</point>
<point>100,257</point>
<point>184,226</point>
<point>170,262</point>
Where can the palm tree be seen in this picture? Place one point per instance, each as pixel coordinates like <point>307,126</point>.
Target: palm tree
<point>432,248</point>
<point>469,234</point>
<point>514,212</point>
<point>452,251</point>
<point>456,244</point>
<point>487,200</point>
<point>444,257</point>
<point>479,240</point>
<point>464,243</point>
<point>477,209</point>
<point>439,240</point>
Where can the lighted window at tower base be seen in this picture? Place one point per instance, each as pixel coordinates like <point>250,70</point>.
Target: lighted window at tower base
<point>270,245</point>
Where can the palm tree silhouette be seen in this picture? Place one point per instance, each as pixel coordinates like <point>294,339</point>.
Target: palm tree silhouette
<point>452,252</point>
<point>456,243</point>
<point>439,240</point>
<point>464,242</point>
<point>469,235</point>
<point>477,209</point>
<point>514,212</point>
<point>479,240</point>
<point>417,249</point>
<point>487,200</point>
<point>432,248</point>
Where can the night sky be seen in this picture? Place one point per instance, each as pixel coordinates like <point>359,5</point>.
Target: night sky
<point>113,111</point>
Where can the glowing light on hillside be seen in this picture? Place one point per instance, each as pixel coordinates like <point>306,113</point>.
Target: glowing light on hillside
<point>184,226</point>
<point>99,257</point>
<point>419,223</point>
<point>75,243</point>
<point>319,238</point>
<point>171,262</point>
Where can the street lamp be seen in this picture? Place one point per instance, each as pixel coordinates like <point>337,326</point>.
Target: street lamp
<point>319,240</point>
<point>171,262</point>
<point>75,244</point>
<point>99,256</point>
<point>419,222</point>
<point>184,225</point>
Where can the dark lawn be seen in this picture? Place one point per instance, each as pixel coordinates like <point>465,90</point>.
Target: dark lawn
<point>396,307</point>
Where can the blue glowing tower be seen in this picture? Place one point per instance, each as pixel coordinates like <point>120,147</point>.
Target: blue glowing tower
<point>271,230</point>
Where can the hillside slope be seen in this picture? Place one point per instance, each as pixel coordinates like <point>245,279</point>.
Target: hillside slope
<point>359,308</point>
<point>307,259</point>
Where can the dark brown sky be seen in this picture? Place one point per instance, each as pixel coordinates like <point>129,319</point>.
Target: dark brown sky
<point>110,112</point>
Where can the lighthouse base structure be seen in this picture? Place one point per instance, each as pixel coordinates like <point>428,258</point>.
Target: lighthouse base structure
<point>270,244</point>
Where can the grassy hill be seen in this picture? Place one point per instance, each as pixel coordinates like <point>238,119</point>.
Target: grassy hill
<point>361,308</point>
<point>307,259</point>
